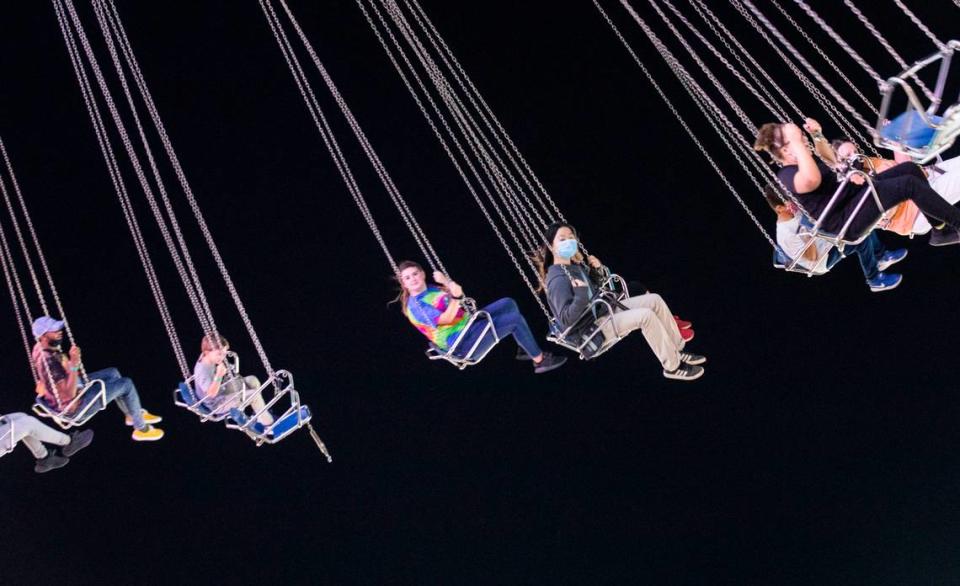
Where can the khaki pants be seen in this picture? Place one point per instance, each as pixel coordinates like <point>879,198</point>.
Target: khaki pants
<point>239,392</point>
<point>17,427</point>
<point>649,314</point>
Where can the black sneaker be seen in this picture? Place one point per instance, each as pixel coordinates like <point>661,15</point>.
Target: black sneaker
<point>692,359</point>
<point>549,362</point>
<point>944,237</point>
<point>78,441</point>
<point>684,372</point>
<point>51,462</point>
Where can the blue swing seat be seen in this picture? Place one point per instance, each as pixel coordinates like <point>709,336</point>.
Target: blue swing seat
<point>910,129</point>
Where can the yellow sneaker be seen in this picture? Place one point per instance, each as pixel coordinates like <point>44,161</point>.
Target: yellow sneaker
<point>148,418</point>
<point>151,434</point>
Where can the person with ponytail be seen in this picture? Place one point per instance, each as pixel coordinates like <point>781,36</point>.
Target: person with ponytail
<point>571,285</point>
<point>437,313</point>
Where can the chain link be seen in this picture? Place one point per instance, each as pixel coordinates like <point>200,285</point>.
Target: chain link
<point>443,141</point>
<point>119,185</point>
<point>138,77</point>
<point>816,47</point>
<point>845,125</point>
<point>683,122</point>
<point>920,25</point>
<point>396,197</point>
<point>886,45</point>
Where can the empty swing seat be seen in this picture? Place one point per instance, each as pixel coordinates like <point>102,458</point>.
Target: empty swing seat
<point>910,129</point>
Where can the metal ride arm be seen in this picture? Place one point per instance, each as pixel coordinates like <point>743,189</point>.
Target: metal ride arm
<point>474,355</point>
<point>564,338</point>
<point>946,130</point>
<point>98,403</point>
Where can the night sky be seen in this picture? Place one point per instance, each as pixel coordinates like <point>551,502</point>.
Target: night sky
<point>819,448</point>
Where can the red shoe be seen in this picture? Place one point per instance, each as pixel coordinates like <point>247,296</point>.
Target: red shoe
<point>687,335</point>
<point>683,324</point>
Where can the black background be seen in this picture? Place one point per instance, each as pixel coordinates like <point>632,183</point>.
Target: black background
<point>819,448</point>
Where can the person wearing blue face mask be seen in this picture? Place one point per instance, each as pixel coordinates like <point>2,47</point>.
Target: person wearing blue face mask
<point>571,285</point>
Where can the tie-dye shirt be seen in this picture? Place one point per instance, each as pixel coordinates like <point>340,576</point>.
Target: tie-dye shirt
<point>424,310</point>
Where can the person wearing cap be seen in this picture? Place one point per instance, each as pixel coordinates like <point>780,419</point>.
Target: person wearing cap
<point>20,427</point>
<point>59,381</point>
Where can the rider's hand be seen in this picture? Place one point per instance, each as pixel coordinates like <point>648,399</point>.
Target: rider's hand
<point>812,126</point>
<point>74,355</point>
<point>454,289</point>
<point>578,283</point>
<point>594,262</point>
<point>221,370</point>
<point>791,133</point>
<point>439,278</point>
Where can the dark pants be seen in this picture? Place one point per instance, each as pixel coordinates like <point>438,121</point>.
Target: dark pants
<point>898,184</point>
<point>507,320</point>
<point>870,251</point>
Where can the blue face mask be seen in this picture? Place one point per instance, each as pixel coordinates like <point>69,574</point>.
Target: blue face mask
<point>567,249</point>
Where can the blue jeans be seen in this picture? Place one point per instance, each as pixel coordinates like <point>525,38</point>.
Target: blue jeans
<point>507,320</point>
<point>121,390</point>
<point>870,251</point>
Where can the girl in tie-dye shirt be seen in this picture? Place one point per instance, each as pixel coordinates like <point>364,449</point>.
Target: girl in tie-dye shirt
<point>436,312</point>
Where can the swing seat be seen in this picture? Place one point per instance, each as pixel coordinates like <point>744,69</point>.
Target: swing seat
<point>184,396</point>
<point>295,417</point>
<point>910,129</point>
<point>592,343</point>
<point>65,418</point>
<point>477,352</point>
<point>920,132</point>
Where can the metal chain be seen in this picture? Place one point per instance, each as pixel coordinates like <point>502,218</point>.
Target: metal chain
<point>712,112</point>
<point>468,89</point>
<point>726,62</point>
<point>886,45</point>
<point>831,110</point>
<point>840,41</point>
<point>686,127</point>
<point>188,192</point>
<point>727,37</point>
<point>524,224</point>
<point>135,161</point>
<point>17,231</point>
<point>426,247</point>
<point>920,25</point>
<point>751,127</point>
<point>48,275</point>
<point>21,308</point>
<point>326,132</point>
<point>18,311</point>
<point>816,47</point>
<point>513,153</point>
<point>113,168</point>
<point>178,248</point>
<point>443,142</point>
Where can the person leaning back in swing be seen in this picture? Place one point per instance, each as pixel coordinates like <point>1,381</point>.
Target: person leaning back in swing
<point>437,313</point>
<point>570,285</point>
<point>63,371</point>
<point>814,182</point>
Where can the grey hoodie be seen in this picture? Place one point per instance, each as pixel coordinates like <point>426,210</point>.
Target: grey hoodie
<point>567,302</point>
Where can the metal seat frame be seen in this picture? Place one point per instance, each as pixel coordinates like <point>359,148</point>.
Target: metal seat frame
<point>565,337</point>
<point>946,131</point>
<point>475,354</point>
<point>99,392</point>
